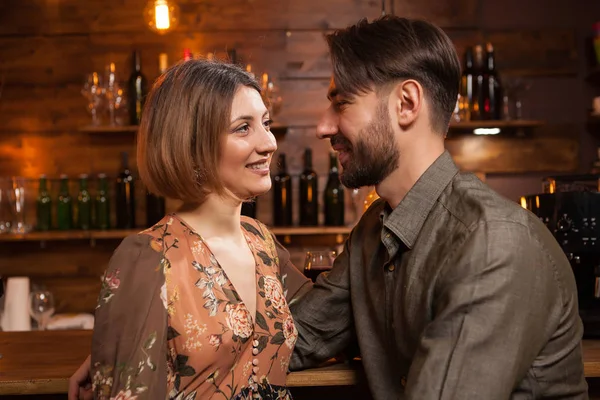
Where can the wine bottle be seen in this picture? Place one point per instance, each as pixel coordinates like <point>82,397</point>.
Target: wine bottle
<point>493,88</point>
<point>44,206</point>
<point>125,196</point>
<point>163,63</point>
<point>282,195</point>
<point>155,208</point>
<point>84,203</point>
<point>249,208</point>
<point>138,88</point>
<point>64,208</point>
<point>102,205</point>
<point>334,195</point>
<point>478,103</point>
<point>309,204</point>
<point>466,87</point>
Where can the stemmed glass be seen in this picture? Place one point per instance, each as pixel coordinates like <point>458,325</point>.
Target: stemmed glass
<point>317,262</point>
<point>514,90</point>
<point>41,307</point>
<point>93,92</point>
<point>271,94</point>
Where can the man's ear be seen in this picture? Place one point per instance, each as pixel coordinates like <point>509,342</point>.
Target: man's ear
<point>408,100</point>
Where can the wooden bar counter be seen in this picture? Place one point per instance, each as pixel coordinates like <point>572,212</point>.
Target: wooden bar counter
<point>38,363</point>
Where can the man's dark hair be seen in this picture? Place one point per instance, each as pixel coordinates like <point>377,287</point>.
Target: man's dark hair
<point>390,49</point>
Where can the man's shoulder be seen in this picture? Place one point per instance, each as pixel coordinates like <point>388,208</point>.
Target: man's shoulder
<point>474,203</point>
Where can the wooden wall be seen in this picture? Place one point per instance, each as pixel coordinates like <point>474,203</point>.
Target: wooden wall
<point>48,46</point>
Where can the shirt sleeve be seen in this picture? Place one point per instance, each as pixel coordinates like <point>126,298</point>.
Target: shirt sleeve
<point>129,353</point>
<point>494,310</point>
<point>296,283</point>
<point>323,316</point>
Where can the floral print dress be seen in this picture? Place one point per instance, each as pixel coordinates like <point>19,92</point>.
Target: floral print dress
<point>170,324</point>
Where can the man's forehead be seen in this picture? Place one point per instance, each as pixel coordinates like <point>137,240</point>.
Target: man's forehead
<point>332,91</point>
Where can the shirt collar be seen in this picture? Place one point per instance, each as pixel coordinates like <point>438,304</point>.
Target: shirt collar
<point>407,219</point>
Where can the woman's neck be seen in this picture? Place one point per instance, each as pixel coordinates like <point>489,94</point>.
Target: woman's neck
<point>215,217</point>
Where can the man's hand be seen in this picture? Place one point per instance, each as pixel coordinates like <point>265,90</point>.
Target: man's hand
<point>80,383</point>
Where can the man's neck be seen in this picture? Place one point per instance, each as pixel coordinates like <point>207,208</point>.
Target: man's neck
<point>412,164</point>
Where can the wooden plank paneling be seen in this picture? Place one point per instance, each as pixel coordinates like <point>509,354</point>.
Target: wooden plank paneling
<point>74,16</point>
<point>515,155</point>
<point>445,13</point>
<point>536,52</point>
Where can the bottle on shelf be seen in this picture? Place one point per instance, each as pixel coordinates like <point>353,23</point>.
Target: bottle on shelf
<point>155,208</point>
<point>64,206</point>
<point>492,98</point>
<point>84,204</point>
<point>466,87</point>
<point>249,208</point>
<point>163,63</point>
<point>309,191</point>
<point>477,105</point>
<point>138,89</point>
<point>334,195</point>
<point>102,204</point>
<point>187,54</point>
<point>282,195</point>
<point>44,206</point>
<point>125,196</point>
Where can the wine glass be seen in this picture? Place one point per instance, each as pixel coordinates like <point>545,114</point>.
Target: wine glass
<point>317,262</point>
<point>93,92</point>
<point>41,307</point>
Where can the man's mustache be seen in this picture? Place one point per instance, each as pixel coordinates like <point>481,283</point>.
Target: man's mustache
<point>338,139</point>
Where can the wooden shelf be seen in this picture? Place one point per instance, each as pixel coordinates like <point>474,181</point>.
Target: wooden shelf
<point>511,124</point>
<point>108,128</point>
<point>277,129</point>
<point>594,76</point>
<point>121,234</point>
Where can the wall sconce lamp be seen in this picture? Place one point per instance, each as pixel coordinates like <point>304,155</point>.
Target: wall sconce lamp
<point>161,16</point>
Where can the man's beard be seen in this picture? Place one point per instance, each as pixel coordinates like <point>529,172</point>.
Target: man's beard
<point>374,156</point>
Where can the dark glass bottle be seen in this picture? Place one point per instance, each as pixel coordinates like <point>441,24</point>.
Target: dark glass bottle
<point>138,88</point>
<point>478,103</point>
<point>249,208</point>
<point>125,196</point>
<point>64,207</point>
<point>309,191</point>
<point>155,208</point>
<point>492,90</point>
<point>102,204</point>
<point>282,195</point>
<point>334,195</point>
<point>84,204</point>
<point>44,206</point>
<point>466,86</point>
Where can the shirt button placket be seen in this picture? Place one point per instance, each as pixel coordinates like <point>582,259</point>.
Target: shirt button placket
<point>255,368</point>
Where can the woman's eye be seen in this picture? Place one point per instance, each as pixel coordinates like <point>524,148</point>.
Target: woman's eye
<point>267,124</point>
<point>243,129</point>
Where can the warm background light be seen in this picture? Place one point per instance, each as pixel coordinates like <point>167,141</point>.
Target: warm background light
<point>161,16</point>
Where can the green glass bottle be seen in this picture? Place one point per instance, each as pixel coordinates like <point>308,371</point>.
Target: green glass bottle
<point>44,206</point>
<point>102,205</point>
<point>84,204</point>
<point>334,195</point>
<point>64,208</point>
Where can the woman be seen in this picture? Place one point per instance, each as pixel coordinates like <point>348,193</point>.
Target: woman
<point>196,307</point>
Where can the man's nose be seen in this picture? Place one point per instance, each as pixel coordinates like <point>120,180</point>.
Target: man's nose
<point>327,125</point>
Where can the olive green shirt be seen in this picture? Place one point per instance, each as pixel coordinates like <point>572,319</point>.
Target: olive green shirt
<point>457,293</point>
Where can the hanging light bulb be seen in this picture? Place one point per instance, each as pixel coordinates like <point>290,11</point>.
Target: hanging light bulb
<point>161,16</point>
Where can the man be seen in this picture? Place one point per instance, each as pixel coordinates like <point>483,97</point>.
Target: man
<point>451,291</point>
